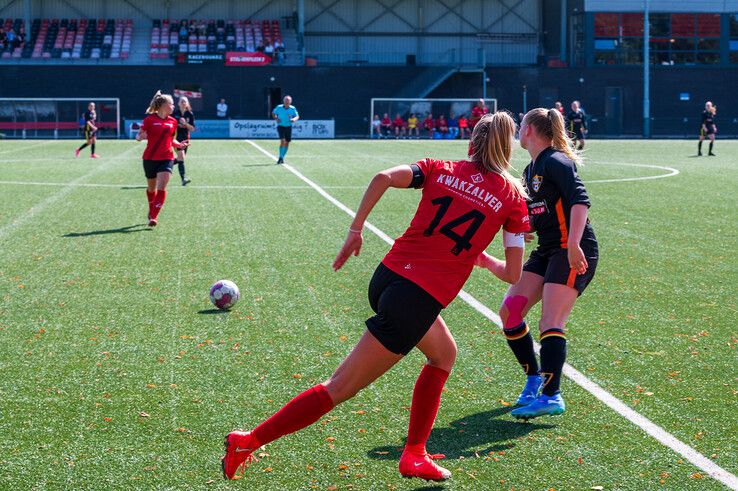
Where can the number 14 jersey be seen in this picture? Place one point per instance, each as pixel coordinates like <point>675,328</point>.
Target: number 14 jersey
<point>461,209</point>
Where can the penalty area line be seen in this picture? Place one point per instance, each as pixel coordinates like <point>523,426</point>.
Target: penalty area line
<point>651,428</point>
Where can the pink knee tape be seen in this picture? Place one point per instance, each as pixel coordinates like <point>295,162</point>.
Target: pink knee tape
<point>514,306</point>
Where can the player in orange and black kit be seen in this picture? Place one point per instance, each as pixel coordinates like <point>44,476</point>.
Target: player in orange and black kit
<point>90,129</point>
<point>708,128</point>
<point>463,205</point>
<point>158,128</point>
<point>185,124</point>
<point>558,270</point>
<point>577,124</point>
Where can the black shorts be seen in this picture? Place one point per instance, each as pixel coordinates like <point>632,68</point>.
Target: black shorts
<point>710,130</point>
<point>578,134</point>
<point>405,312</point>
<point>153,167</point>
<point>285,133</point>
<point>554,267</point>
<point>90,134</point>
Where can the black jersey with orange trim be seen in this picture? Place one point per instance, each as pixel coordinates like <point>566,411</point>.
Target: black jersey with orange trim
<point>577,121</point>
<point>183,133</point>
<point>708,122</point>
<point>553,188</point>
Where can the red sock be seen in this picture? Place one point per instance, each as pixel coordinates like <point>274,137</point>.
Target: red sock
<point>426,399</point>
<point>303,410</point>
<point>150,196</point>
<point>161,196</point>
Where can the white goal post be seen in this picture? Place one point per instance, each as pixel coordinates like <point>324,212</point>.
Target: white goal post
<point>422,106</point>
<point>49,117</point>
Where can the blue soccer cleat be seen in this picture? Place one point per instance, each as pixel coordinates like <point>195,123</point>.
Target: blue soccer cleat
<point>530,391</point>
<point>544,405</point>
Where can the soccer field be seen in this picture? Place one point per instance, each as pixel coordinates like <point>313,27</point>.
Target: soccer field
<point>117,373</point>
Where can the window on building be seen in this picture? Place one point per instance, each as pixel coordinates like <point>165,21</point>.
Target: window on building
<point>675,39</point>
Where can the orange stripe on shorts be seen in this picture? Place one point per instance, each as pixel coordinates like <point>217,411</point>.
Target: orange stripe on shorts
<point>572,278</point>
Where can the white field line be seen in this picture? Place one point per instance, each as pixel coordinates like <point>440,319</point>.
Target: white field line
<point>38,207</point>
<point>141,185</point>
<point>661,435</point>
<point>26,147</point>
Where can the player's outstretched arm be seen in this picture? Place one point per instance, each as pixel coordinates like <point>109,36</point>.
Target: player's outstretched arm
<point>396,177</point>
<point>511,268</point>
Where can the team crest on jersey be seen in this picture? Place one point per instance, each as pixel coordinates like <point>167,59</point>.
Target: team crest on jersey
<point>477,178</point>
<point>536,182</point>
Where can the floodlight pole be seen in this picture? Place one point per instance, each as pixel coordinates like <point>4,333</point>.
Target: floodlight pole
<point>646,73</point>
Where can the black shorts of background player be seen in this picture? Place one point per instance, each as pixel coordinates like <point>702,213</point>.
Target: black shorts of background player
<point>707,127</point>
<point>185,124</point>
<point>577,124</point>
<point>90,131</point>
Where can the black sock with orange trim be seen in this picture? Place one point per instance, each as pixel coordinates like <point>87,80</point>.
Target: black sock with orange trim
<point>553,356</point>
<point>521,344</point>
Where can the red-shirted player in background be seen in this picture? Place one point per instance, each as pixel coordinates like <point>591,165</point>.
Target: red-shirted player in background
<point>399,125</point>
<point>463,205</point>
<point>477,112</point>
<point>429,124</point>
<point>386,125</point>
<point>159,128</point>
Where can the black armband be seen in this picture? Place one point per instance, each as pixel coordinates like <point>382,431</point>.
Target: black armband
<point>418,177</point>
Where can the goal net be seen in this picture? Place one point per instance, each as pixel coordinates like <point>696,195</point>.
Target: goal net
<point>57,118</point>
<point>421,108</point>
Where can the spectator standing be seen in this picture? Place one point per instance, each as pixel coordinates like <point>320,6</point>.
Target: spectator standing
<point>221,110</point>
<point>559,107</point>
<point>477,112</point>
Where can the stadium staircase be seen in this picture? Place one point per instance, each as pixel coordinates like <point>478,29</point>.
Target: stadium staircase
<point>426,82</point>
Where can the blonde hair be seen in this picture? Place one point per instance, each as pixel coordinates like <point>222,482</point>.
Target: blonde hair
<point>186,101</point>
<point>549,124</point>
<point>158,100</point>
<point>491,147</point>
<point>713,108</point>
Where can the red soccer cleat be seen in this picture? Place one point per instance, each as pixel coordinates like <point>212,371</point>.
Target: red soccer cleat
<point>239,446</point>
<point>94,156</point>
<point>152,222</point>
<point>422,466</point>
<point>76,152</point>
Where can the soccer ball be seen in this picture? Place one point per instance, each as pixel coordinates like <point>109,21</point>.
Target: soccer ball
<point>224,294</point>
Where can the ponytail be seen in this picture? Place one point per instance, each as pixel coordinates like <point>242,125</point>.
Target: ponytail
<point>549,124</point>
<point>491,147</point>
<point>158,100</point>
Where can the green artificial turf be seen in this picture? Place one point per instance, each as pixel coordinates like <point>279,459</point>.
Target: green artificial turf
<point>117,373</point>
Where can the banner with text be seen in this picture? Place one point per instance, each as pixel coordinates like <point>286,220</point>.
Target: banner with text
<point>264,128</point>
<point>242,58</point>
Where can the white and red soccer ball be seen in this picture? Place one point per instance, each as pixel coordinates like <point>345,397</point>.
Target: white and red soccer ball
<point>224,294</point>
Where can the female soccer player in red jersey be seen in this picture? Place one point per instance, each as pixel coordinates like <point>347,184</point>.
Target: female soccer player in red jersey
<point>463,205</point>
<point>159,128</point>
<point>561,266</point>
